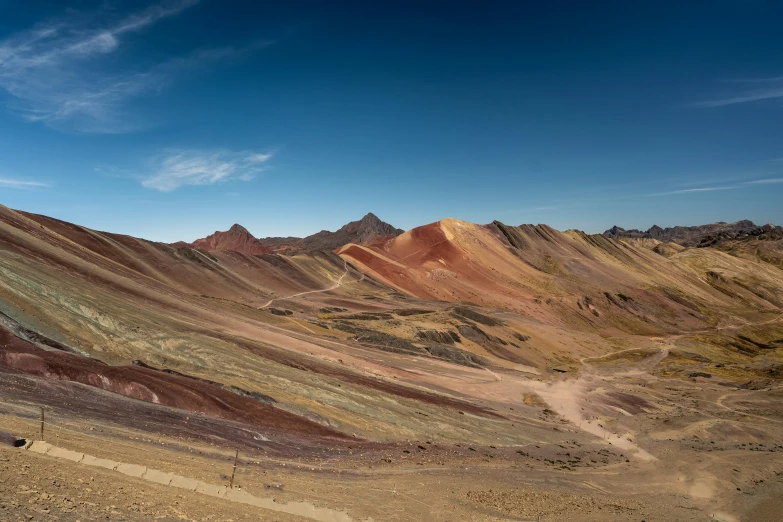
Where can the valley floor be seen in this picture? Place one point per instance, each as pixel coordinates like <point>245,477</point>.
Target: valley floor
<point>698,469</point>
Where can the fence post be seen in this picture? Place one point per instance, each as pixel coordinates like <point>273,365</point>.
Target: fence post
<point>231,483</point>
<point>42,423</point>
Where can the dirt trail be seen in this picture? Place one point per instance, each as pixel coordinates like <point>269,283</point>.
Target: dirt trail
<point>333,287</point>
<point>746,324</point>
<point>719,402</point>
<point>495,375</point>
<point>647,363</point>
<point>302,509</point>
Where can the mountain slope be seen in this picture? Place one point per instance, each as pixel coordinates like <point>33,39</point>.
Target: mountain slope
<point>499,348</point>
<point>363,339</point>
<point>569,278</point>
<point>241,321</point>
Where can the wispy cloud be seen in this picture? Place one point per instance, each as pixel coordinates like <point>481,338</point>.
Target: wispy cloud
<point>66,73</point>
<point>738,185</point>
<point>693,190</point>
<point>767,181</point>
<point>752,90</point>
<point>21,184</point>
<point>177,168</point>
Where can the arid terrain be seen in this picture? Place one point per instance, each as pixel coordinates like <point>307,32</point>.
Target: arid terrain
<point>450,372</point>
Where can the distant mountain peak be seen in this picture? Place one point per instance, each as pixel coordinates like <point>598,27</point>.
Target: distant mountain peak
<point>370,217</point>
<point>364,231</point>
<point>700,235</point>
<point>236,227</point>
<point>236,239</point>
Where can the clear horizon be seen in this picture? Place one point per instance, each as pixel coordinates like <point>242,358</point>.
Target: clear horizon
<point>209,233</point>
<point>170,120</point>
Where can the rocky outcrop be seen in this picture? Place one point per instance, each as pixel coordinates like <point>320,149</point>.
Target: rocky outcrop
<point>438,336</point>
<point>766,232</point>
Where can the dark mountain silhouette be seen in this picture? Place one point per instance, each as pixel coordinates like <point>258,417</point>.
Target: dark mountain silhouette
<point>702,235</point>
<point>368,229</point>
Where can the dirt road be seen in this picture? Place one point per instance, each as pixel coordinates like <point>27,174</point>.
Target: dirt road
<point>333,287</point>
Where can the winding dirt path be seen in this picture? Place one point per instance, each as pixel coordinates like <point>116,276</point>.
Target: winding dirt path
<point>334,286</point>
<point>719,402</point>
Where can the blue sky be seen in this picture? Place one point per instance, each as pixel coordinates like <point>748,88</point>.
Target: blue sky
<point>169,120</point>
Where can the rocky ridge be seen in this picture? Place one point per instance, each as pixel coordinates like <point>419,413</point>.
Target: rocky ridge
<point>701,235</point>
<point>364,231</point>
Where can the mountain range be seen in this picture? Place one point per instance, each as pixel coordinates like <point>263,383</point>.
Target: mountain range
<point>461,344</point>
<point>702,235</point>
<point>364,231</point>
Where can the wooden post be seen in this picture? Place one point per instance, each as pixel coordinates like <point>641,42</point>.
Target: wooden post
<point>231,483</point>
<point>42,423</point>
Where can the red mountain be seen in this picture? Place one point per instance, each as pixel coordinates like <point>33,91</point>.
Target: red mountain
<point>237,239</point>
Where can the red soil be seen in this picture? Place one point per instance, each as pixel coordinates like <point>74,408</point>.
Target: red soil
<point>150,385</point>
<point>418,251</point>
<point>236,239</point>
<point>390,272</point>
<point>541,273</point>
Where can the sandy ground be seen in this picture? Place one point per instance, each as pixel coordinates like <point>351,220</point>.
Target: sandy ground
<point>688,478</point>
<point>37,487</point>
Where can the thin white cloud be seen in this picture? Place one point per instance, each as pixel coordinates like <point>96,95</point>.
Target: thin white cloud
<point>64,73</point>
<point>693,190</point>
<point>767,181</point>
<point>177,168</point>
<point>21,184</point>
<point>259,158</point>
<point>760,89</point>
